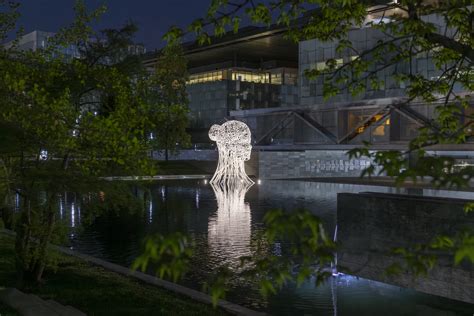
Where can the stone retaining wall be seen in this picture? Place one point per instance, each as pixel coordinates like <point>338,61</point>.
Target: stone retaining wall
<point>309,163</point>
<point>370,225</point>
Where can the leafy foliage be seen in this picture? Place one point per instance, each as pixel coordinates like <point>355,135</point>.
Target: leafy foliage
<point>170,100</point>
<point>469,207</point>
<point>85,287</point>
<point>218,284</point>
<point>306,251</point>
<point>440,31</point>
<point>67,120</point>
<point>8,16</point>
<point>170,255</point>
<point>421,258</point>
<point>442,172</point>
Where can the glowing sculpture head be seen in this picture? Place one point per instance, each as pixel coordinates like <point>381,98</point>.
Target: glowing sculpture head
<point>233,142</point>
<point>234,138</point>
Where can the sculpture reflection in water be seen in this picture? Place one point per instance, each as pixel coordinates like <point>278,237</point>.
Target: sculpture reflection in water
<point>229,230</point>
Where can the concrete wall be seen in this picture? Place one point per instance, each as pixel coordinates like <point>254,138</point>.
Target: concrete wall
<point>371,224</point>
<point>297,164</point>
<point>309,163</point>
<point>314,53</point>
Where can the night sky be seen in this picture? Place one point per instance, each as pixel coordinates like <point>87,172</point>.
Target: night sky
<point>153,17</point>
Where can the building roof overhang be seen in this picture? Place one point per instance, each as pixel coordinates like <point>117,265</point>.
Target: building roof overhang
<point>250,44</point>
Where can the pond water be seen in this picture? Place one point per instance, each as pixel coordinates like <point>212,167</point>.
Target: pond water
<point>223,228</point>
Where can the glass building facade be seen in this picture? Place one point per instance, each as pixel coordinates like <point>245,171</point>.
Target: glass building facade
<point>38,40</point>
<point>214,93</point>
<point>259,77</point>
<point>344,118</point>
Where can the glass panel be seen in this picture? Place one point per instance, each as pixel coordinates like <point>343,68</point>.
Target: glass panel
<point>205,77</point>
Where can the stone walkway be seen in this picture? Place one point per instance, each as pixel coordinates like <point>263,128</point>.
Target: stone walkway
<point>32,305</point>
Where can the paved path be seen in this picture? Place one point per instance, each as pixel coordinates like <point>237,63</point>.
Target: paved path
<point>32,305</point>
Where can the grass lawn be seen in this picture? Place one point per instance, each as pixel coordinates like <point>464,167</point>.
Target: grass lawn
<point>6,311</point>
<point>178,167</point>
<point>96,291</point>
<point>172,167</point>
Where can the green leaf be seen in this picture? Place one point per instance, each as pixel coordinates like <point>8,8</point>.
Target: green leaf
<point>469,207</point>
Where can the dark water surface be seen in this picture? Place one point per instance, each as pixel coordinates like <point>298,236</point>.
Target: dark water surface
<point>223,228</point>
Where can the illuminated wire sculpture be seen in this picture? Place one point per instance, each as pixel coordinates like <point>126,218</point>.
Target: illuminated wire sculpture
<point>233,143</point>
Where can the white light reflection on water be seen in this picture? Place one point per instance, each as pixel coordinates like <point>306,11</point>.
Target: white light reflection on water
<point>150,210</point>
<point>229,230</point>
<point>163,193</point>
<point>61,208</point>
<point>73,215</point>
<point>17,201</point>
<point>79,213</point>
<point>334,293</point>
<point>198,194</point>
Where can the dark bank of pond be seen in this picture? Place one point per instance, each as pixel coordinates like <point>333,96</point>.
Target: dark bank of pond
<point>223,228</point>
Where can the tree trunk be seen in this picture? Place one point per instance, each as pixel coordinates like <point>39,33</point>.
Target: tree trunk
<point>40,264</point>
<point>7,217</point>
<point>32,250</point>
<point>22,244</point>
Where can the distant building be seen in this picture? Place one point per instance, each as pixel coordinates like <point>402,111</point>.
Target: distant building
<point>257,76</point>
<point>38,40</point>
<point>256,68</point>
<point>32,41</point>
<point>136,49</point>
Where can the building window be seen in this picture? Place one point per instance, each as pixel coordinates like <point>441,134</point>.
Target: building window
<point>205,77</point>
<point>277,78</point>
<point>322,65</point>
<point>291,78</point>
<point>257,77</point>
